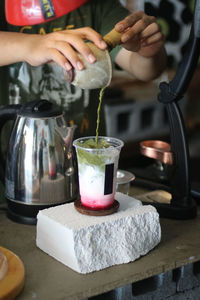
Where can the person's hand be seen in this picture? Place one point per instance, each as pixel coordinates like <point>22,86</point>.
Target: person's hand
<point>62,47</point>
<point>141,34</point>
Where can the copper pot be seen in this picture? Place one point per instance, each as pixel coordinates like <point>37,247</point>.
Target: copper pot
<point>158,150</point>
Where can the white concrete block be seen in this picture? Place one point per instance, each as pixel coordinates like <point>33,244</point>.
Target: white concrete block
<point>89,243</point>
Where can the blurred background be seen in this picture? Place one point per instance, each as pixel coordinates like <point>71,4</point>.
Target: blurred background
<point>133,113</point>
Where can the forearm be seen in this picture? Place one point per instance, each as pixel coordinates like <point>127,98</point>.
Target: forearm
<point>12,47</point>
<point>142,68</point>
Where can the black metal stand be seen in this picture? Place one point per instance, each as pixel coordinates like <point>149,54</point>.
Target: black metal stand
<point>182,205</point>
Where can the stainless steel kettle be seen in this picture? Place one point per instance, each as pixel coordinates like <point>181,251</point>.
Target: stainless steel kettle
<point>40,169</point>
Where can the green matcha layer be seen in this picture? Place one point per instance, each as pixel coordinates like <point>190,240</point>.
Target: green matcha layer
<point>88,157</point>
<point>92,144</point>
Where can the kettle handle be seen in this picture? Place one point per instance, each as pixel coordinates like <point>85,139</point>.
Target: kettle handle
<point>7,113</point>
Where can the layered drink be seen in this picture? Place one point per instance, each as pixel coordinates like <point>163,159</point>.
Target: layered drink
<point>97,169</point>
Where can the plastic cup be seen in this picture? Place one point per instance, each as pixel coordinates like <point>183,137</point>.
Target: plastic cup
<point>97,170</point>
<point>124,179</point>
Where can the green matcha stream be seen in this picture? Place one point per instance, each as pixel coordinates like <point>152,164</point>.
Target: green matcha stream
<point>98,112</point>
<point>89,157</point>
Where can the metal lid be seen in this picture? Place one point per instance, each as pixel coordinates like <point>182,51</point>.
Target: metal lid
<point>40,109</point>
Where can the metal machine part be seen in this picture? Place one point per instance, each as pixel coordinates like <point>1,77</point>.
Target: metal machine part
<point>158,150</point>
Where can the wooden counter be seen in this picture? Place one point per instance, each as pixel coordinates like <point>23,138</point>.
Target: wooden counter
<point>46,278</point>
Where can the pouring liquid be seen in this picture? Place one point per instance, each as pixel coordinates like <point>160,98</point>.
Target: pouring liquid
<point>98,112</point>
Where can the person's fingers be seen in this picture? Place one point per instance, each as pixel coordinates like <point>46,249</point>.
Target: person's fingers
<point>129,21</point>
<point>68,51</point>
<point>67,65</point>
<point>153,28</point>
<point>55,56</point>
<point>90,34</point>
<point>76,40</point>
<point>137,28</point>
<point>158,37</point>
